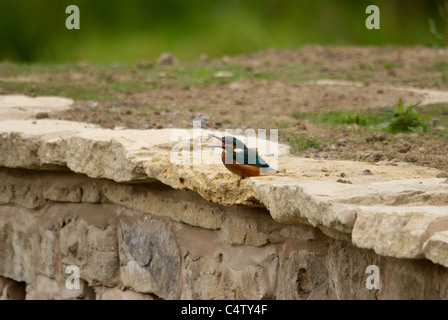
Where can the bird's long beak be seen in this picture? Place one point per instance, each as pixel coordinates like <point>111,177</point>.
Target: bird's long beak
<point>213,146</point>
<point>214,136</point>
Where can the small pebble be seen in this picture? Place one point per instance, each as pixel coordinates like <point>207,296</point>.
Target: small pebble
<point>410,158</point>
<point>166,59</point>
<point>405,147</point>
<point>377,156</point>
<point>344,181</point>
<point>342,142</point>
<point>42,115</point>
<point>367,172</point>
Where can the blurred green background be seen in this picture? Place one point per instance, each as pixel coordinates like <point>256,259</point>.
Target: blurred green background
<point>129,31</point>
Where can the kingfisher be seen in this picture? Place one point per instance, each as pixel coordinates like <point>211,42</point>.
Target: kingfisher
<point>241,160</point>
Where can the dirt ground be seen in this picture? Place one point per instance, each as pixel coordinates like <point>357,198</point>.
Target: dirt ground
<point>276,89</point>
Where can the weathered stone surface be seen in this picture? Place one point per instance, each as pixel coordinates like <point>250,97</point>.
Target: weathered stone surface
<point>303,276</point>
<point>19,244</point>
<point>262,259</point>
<point>22,107</point>
<point>347,267</point>
<point>435,248</point>
<point>412,280</point>
<point>43,288</point>
<point>255,227</point>
<point>34,189</point>
<point>162,201</point>
<point>115,204</point>
<point>46,288</point>
<point>105,293</point>
<point>397,231</point>
<point>92,248</point>
<point>212,269</point>
<point>149,257</point>
<point>301,195</point>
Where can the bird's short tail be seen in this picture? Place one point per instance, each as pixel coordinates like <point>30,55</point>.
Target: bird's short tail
<point>268,171</point>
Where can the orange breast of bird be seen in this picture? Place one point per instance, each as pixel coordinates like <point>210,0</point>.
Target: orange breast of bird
<point>243,170</point>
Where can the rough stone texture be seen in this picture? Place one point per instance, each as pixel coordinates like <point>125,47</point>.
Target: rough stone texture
<point>436,246</point>
<point>92,248</point>
<point>346,267</point>
<point>21,107</point>
<point>105,293</point>
<point>46,288</point>
<point>304,276</point>
<point>149,257</point>
<point>140,226</point>
<point>215,270</point>
<point>398,231</point>
<point>125,253</point>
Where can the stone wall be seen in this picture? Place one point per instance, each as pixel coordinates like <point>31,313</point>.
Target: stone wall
<point>140,227</point>
<point>142,249</point>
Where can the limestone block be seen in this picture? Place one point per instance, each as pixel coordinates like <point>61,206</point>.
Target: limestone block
<point>215,270</point>
<point>105,293</point>
<point>396,231</point>
<point>93,249</point>
<point>436,248</point>
<point>162,201</point>
<point>84,292</point>
<point>302,275</point>
<point>46,288</point>
<point>406,280</point>
<point>255,227</point>
<point>19,243</point>
<point>149,257</point>
<point>43,288</point>
<point>15,191</point>
<point>47,255</point>
<point>23,107</point>
<point>347,267</point>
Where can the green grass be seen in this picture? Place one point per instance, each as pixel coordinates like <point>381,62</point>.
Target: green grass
<point>146,110</point>
<point>283,124</point>
<point>405,119</point>
<point>435,66</point>
<point>444,76</point>
<point>97,82</point>
<point>300,143</point>
<point>370,118</point>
